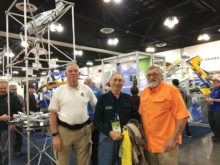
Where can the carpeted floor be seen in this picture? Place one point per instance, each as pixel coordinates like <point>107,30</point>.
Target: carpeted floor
<point>197,132</point>
<point>38,139</point>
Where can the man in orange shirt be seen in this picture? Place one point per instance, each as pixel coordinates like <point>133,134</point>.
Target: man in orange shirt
<point>164,117</point>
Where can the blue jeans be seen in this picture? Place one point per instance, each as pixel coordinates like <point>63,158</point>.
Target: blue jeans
<point>108,150</point>
<point>4,146</point>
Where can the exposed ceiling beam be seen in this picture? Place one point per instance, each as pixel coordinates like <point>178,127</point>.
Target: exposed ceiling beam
<point>64,44</point>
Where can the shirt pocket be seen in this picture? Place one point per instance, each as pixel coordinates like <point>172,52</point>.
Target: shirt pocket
<point>160,106</point>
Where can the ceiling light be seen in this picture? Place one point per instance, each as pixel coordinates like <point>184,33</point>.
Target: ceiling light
<point>15,72</point>
<point>55,59</point>
<point>90,63</point>
<point>53,27</point>
<point>203,37</point>
<point>117,1</point>
<point>0,62</point>
<point>171,22</point>
<point>56,27</point>
<point>107,30</point>
<point>107,1</point>
<point>20,6</point>
<point>219,30</point>
<point>59,28</point>
<point>113,41</point>
<point>43,73</point>
<point>24,44</point>
<point>78,52</point>
<point>162,44</point>
<point>23,69</point>
<point>150,49</point>
<point>10,54</point>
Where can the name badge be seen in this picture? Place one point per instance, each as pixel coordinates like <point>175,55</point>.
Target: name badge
<point>116,126</point>
<point>108,107</point>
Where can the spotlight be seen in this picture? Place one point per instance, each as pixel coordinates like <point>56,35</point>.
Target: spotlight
<point>78,52</point>
<point>24,44</point>
<point>203,37</point>
<point>171,22</point>
<point>150,49</point>
<point>107,1</point>
<point>113,41</point>
<point>90,63</point>
<point>56,27</point>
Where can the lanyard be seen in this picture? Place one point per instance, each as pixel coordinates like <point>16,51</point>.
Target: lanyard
<point>116,106</point>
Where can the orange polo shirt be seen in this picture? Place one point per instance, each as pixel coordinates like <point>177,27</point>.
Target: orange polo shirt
<point>160,109</point>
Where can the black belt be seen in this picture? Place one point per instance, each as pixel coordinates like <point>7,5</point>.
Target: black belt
<point>72,127</point>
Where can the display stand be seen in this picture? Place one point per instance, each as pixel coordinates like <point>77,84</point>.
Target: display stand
<point>12,64</point>
<point>131,61</point>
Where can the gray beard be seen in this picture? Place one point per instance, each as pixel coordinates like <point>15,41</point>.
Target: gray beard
<point>153,84</point>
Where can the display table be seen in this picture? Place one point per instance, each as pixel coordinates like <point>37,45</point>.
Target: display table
<point>36,122</point>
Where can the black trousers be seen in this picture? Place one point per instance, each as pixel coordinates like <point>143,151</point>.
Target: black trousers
<point>214,122</point>
<point>95,140</point>
<point>187,129</point>
<point>18,140</point>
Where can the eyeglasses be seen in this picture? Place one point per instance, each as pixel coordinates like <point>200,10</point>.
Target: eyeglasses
<point>3,88</point>
<point>119,80</point>
<point>153,75</point>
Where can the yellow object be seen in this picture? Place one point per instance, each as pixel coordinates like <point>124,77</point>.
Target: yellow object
<point>205,91</point>
<point>126,158</point>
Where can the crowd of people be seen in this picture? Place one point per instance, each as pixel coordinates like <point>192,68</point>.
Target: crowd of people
<point>91,123</point>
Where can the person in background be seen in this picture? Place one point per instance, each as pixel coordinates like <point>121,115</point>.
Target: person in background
<point>15,106</point>
<point>95,132</point>
<point>69,119</point>
<point>44,101</point>
<point>113,110</point>
<point>164,117</point>
<point>18,138</point>
<point>214,112</point>
<point>135,97</point>
<point>32,101</point>
<point>184,96</point>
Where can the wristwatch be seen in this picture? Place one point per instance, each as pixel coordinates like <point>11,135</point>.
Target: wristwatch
<point>55,134</point>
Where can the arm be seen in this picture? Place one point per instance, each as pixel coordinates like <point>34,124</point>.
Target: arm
<point>172,141</point>
<point>4,117</point>
<point>215,100</point>
<point>57,143</point>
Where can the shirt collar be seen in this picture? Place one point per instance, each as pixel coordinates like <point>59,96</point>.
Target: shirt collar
<point>154,90</point>
<point>77,87</point>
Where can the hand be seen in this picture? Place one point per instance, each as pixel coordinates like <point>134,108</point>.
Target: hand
<point>5,117</point>
<point>209,99</point>
<point>115,135</point>
<point>12,127</point>
<point>170,144</point>
<point>57,143</point>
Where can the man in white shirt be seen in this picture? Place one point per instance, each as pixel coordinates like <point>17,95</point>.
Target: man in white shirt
<point>69,119</point>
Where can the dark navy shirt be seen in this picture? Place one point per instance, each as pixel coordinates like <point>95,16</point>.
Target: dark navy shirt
<point>215,94</point>
<point>106,108</point>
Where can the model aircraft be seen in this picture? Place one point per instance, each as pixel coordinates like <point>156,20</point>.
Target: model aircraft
<point>40,21</point>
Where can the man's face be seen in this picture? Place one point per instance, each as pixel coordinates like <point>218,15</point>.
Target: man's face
<point>154,78</point>
<point>32,90</point>
<point>13,89</point>
<point>116,82</point>
<point>3,88</point>
<point>216,84</point>
<point>72,73</point>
